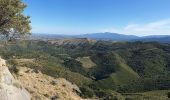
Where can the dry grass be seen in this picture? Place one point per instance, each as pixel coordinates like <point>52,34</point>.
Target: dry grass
<point>86,62</point>
<point>41,87</point>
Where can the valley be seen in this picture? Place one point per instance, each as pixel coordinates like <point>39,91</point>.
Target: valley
<point>103,70</point>
<point>84,50</point>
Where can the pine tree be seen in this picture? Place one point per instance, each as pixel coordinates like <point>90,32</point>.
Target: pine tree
<point>13,22</point>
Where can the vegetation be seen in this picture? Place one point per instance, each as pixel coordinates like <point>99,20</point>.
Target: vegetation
<point>120,70</point>
<point>13,23</point>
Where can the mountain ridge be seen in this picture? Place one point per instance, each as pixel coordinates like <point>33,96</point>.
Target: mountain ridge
<point>104,36</point>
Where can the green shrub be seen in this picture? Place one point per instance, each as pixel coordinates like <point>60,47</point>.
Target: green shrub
<point>86,92</point>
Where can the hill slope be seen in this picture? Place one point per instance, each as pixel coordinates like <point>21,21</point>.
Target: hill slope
<point>124,67</point>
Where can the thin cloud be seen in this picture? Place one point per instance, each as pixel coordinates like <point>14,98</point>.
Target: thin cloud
<point>161,27</point>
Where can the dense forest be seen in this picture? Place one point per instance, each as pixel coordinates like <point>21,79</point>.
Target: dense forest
<point>101,69</point>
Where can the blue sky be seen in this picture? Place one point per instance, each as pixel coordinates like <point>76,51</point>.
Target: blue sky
<point>137,17</point>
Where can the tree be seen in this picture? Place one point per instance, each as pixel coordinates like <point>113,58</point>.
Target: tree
<point>13,23</point>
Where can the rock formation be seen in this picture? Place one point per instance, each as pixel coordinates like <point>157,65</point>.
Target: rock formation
<point>10,89</point>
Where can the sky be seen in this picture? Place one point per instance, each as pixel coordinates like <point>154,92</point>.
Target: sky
<point>132,17</point>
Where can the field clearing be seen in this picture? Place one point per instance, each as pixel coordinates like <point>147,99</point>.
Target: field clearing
<point>86,62</point>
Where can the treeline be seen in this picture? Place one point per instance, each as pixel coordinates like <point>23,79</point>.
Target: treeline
<point>146,84</point>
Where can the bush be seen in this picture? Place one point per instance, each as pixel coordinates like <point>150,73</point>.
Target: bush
<point>86,92</point>
<point>168,94</point>
<point>109,95</point>
<point>129,99</point>
<point>14,69</point>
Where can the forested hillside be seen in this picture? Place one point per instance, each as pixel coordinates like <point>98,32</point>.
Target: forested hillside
<point>101,69</point>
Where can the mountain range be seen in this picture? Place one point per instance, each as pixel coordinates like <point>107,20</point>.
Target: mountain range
<point>105,36</point>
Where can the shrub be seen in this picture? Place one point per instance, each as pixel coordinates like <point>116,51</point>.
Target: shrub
<point>168,94</point>
<point>86,92</point>
<point>14,69</point>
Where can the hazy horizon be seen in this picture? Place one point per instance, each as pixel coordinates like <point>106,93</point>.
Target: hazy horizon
<point>100,33</point>
<point>130,17</point>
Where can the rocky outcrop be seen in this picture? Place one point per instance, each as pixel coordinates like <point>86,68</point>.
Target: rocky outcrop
<point>10,89</point>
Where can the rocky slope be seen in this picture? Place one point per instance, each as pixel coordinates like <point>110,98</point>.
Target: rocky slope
<point>30,84</point>
<point>44,87</point>
<point>10,89</point>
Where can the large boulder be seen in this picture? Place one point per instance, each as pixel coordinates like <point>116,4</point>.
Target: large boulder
<point>10,89</point>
